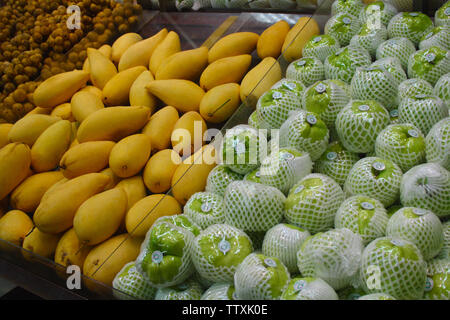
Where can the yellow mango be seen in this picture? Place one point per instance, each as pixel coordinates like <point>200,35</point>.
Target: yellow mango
<point>122,44</point>
<point>134,188</point>
<point>220,102</point>
<point>59,88</point>
<point>105,260</point>
<point>139,95</point>
<point>15,225</point>
<point>4,130</point>
<point>114,179</point>
<point>87,157</point>
<point>64,111</point>
<point>99,217</point>
<point>146,211</point>
<point>15,160</point>
<point>130,155</point>
<point>187,134</point>
<point>112,124</point>
<point>28,194</point>
<point>188,65</point>
<point>59,204</point>
<point>50,146</point>
<point>70,250</point>
<point>184,95</point>
<point>40,243</point>
<point>190,176</point>
<point>30,127</point>
<point>117,90</point>
<point>84,103</point>
<point>160,126</point>
<point>225,70</point>
<point>93,90</point>
<point>260,79</point>
<point>106,50</point>
<point>159,170</point>
<point>298,36</point>
<point>139,53</point>
<point>54,187</point>
<point>39,110</point>
<point>233,44</point>
<point>271,40</point>
<point>101,68</point>
<point>169,46</point>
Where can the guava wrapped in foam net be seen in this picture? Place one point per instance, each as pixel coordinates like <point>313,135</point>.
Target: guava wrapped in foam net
<point>133,284</point>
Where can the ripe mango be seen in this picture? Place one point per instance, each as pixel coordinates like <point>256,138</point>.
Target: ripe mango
<point>190,176</point>
<point>101,68</point>
<point>39,110</point>
<point>30,127</point>
<point>225,70</point>
<point>64,111</point>
<point>99,217</point>
<point>139,95</point>
<point>28,194</point>
<point>146,211</point>
<point>271,40</point>
<point>15,160</point>
<point>59,204</point>
<point>105,260</point>
<point>113,124</point>
<point>260,79</point>
<point>159,170</point>
<point>85,103</point>
<point>233,45</point>
<point>40,243</point>
<point>50,146</point>
<point>4,130</point>
<point>169,46</point>
<point>59,88</point>
<point>188,65</point>
<point>139,53</point>
<point>184,95</point>
<point>187,134</point>
<point>122,44</point>
<point>159,127</point>
<point>70,250</point>
<point>114,179</point>
<point>130,155</point>
<point>117,90</point>
<point>220,102</point>
<point>93,90</point>
<point>134,189</point>
<point>298,36</point>
<point>15,225</point>
<point>87,157</point>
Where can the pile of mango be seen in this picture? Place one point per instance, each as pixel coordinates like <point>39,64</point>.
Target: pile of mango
<point>84,175</point>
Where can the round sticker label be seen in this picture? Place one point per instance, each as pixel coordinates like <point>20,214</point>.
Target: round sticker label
<point>321,88</point>
<point>379,166</point>
<point>347,20</point>
<point>157,256</point>
<point>291,86</point>
<point>258,174</point>
<point>394,113</point>
<point>430,57</point>
<point>419,211</point>
<point>429,284</point>
<point>413,14</point>
<point>301,63</point>
<point>413,133</point>
<point>317,39</point>
<point>331,155</point>
<point>299,189</point>
<point>277,95</point>
<point>299,285</point>
<point>447,11</point>
<point>270,262</point>
<point>311,119</point>
<point>287,156</point>
<point>224,246</point>
<point>363,107</point>
<point>397,242</point>
<point>234,295</point>
<point>367,206</point>
<point>206,207</point>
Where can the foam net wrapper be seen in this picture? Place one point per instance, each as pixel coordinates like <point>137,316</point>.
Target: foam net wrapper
<point>309,289</point>
<point>343,26</point>
<point>283,4</point>
<point>399,276</point>
<point>259,4</point>
<point>326,98</point>
<point>442,15</point>
<point>283,168</point>
<point>435,70</point>
<point>398,47</point>
<point>320,47</point>
<point>388,146</point>
<point>402,5</point>
<point>427,186</point>
<point>377,296</point>
<point>445,252</point>
<point>132,283</point>
<point>394,67</point>
<point>438,272</point>
<point>398,27</point>
<point>412,87</point>
<point>220,242</point>
<point>251,206</point>
<point>211,210</point>
<point>370,40</point>
<point>252,277</point>
<point>438,37</point>
<point>437,143</point>
<point>333,256</point>
<point>291,133</point>
<point>236,4</point>
<point>353,7</point>
<point>307,70</point>
<point>189,290</point>
<point>342,65</point>
<point>218,4</point>
<point>355,209</point>
<point>283,242</point>
<point>219,178</point>
<point>371,11</point>
<point>316,206</point>
<point>363,180</point>
<point>442,89</point>
<point>423,112</point>
<point>218,291</point>
<point>421,227</point>
<point>184,4</point>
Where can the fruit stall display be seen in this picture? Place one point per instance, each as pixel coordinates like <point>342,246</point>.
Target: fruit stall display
<point>352,180</point>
